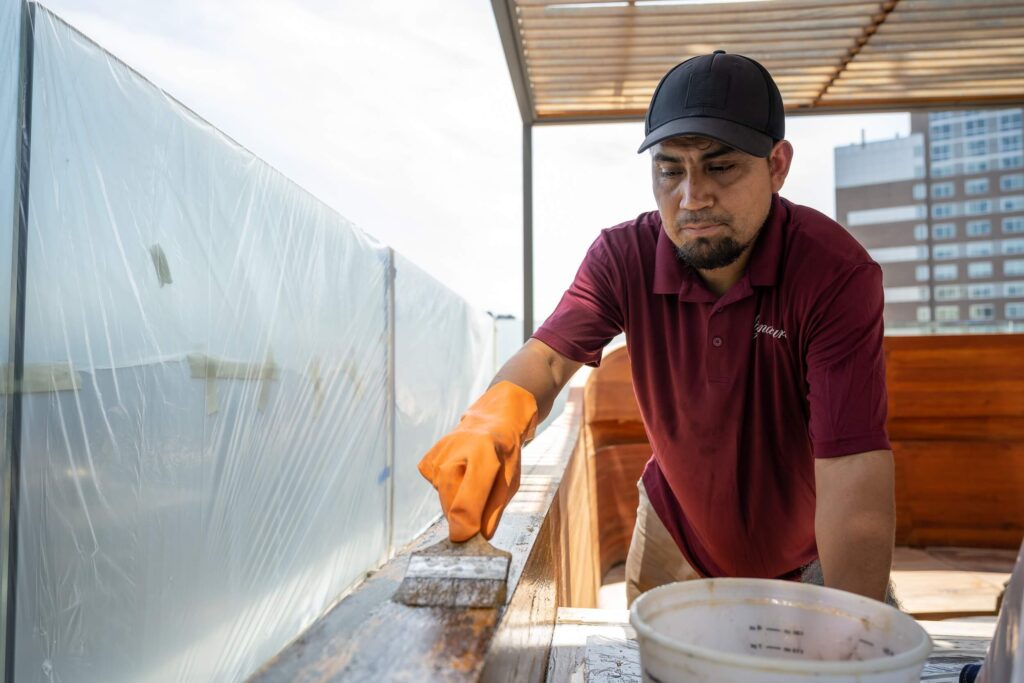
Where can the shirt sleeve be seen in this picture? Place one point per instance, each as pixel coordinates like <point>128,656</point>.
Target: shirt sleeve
<point>846,368</point>
<point>590,313</point>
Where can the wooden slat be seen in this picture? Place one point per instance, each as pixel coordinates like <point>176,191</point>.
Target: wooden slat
<point>780,24</point>
<point>787,5</point>
<point>671,44</point>
<point>617,469</point>
<point>684,33</point>
<point>679,53</point>
<point>1009,86</point>
<point>960,493</point>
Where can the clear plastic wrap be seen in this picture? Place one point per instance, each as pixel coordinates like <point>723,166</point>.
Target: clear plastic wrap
<point>208,408</point>
<point>444,361</point>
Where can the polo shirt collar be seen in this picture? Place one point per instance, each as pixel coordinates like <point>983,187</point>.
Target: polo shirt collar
<point>672,276</point>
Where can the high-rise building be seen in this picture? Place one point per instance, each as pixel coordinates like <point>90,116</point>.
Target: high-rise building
<point>943,212</point>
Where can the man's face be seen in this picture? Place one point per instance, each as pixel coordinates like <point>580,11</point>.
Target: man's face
<point>713,199</point>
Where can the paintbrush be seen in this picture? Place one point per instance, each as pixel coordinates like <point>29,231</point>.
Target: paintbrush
<point>447,574</point>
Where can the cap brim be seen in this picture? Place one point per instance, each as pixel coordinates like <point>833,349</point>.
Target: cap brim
<point>727,132</point>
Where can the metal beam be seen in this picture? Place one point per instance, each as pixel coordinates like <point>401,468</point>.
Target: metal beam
<point>508,30</point>
<point>527,231</point>
<point>16,331</point>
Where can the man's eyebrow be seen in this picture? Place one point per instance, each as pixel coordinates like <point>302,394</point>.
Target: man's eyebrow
<point>715,153</point>
<point>661,156</point>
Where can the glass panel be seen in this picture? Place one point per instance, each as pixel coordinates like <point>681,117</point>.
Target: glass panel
<point>445,358</point>
<point>204,449</point>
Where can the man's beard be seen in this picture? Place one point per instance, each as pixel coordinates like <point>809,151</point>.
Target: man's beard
<point>705,253</point>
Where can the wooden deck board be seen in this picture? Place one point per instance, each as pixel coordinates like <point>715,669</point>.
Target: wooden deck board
<point>938,583</point>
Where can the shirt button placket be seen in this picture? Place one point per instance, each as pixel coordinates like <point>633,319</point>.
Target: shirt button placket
<point>717,356</point>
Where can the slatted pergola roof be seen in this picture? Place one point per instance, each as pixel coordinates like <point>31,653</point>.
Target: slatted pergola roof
<point>601,59</point>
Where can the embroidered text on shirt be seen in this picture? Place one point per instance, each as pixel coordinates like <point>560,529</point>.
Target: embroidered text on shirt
<point>761,328</point>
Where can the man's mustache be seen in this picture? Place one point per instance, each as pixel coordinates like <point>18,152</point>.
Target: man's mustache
<point>701,218</point>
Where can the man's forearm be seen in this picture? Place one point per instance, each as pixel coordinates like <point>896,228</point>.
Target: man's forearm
<point>855,521</point>
<point>856,555</point>
<point>541,371</point>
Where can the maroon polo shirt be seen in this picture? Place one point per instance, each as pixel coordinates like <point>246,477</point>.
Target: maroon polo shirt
<point>738,393</point>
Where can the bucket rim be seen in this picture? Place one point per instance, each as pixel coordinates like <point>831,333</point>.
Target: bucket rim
<point>916,655</point>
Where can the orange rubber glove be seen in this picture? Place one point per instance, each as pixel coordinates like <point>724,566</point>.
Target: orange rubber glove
<point>475,468</point>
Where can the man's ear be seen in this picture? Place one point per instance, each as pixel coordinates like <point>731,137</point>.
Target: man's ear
<point>778,163</point>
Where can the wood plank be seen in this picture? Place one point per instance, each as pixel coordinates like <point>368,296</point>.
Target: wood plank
<point>368,637</point>
<point>930,587</point>
<point>960,493</point>
<point>618,468</point>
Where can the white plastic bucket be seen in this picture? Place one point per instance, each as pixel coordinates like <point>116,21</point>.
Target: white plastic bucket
<point>766,631</point>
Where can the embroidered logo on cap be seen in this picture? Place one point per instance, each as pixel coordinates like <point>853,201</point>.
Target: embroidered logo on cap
<point>707,90</point>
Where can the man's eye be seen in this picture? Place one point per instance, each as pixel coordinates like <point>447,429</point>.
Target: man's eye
<point>720,169</point>
<point>668,173</point>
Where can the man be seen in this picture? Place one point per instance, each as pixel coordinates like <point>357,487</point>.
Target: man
<point>754,329</point>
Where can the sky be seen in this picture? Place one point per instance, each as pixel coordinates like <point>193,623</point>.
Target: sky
<point>401,116</point>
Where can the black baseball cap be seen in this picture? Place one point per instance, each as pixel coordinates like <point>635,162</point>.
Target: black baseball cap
<point>729,98</point>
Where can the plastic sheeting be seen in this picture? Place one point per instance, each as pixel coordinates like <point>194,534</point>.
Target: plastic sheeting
<point>10,28</point>
<point>444,361</point>
<point>209,411</point>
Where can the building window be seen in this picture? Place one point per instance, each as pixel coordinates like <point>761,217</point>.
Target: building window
<point>1009,121</point>
<point>947,313</point>
<point>942,210</point>
<point>944,252</point>
<point>1011,182</point>
<point>942,152</point>
<point>921,273</point>
<point>1011,289</point>
<point>941,131</point>
<point>982,311</point>
<point>1015,246</point>
<point>978,269</point>
<point>1009,143</point>
<point>976,186</point>
<point>1014,310</point>
<point>976,148</point>
<point>944,231</point>
<point>1014,203</point>
<point>973,127</point>
<point>1011,161</point>
<point>976,166</point>
<point>942,190</point>
<point>920,231</point>
<point>947,292</point>
<point>985,291</point>
<point>924,314</point>
<point>947,271</point>
<point>978,207</point>
<point>1014,224</point>
<point>979,228</point>
<point>1013,267</point>
<point>946,170</point>
<point>919,191</point>
<point>979,249</point>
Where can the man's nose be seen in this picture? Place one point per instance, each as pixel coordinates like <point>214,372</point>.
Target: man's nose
<point>695,193</point>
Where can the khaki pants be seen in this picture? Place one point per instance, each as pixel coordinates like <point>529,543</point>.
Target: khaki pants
<point>654,558</point>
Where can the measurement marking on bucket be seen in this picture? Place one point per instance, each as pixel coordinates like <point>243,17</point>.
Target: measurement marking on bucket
<point>787,631</point>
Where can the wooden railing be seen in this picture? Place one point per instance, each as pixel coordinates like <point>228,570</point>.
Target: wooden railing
<point>956,422</point>
<point>550,531</point>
